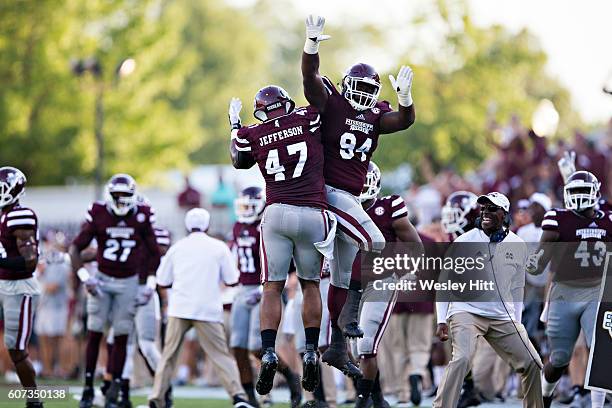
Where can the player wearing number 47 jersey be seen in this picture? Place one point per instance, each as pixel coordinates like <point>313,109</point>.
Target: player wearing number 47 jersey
<point>122,228</point>
<point>353,119</point>
<point>295,224</point>
<point>18,259</point>
<point>577,267</point>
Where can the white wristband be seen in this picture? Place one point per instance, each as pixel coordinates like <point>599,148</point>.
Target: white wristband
<point>311,47</point>
<point>151,282</point>
<point>83,275</point>
<point>405,100</point>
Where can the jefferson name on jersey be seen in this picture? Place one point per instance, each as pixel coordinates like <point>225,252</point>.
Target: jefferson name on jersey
<point>280,135</point>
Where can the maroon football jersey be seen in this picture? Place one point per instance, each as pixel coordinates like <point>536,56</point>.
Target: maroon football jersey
<point>245,244</point>
<point>584,255</point>
<point>350,137</point>
<point>15,218</point>
<point>289,153</point>
<point>383,212</point>
<point>121,240</point>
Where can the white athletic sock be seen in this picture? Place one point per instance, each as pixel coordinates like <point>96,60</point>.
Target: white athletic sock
<point>548,388</point>
<point>598,399</point>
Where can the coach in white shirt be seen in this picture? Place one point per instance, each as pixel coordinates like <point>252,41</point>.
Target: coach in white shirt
<point>497,321</point>
<point>194,267</point>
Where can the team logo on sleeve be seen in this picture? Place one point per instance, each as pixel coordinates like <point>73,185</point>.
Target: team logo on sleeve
<point>607,322</point>
<point>379,211</point>
<point>140,217</point>
<point>375,110</point>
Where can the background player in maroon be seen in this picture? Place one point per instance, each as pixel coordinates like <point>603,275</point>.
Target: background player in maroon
<point>352,122</point>
<point>121,227</point>
<point>19,291</point>
<point>577,269</point>
<point>391,216</point>
<point>295,225</point>
<point>245,337</point>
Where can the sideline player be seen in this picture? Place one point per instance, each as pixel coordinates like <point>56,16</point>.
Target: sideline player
<point>121,227</point>
<point>353,119</point>
<point>577,272</point>
<point>19,291</point>
<point>391,216</point>
<point>245,338</point>
<point>287,148</point>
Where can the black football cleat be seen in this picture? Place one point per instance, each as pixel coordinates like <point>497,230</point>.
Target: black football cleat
<point>240,402</point>
<point>338,358</point>
<point>112,395</point>
<point>269,364</point>
<point>295,390</point>
<point>168,398</point>
<point>362,402</point>
<point>310,370</point>
<point>34,404</point>
<point>547,401</point>
<point>468,398</point>
<point>416,389</point>
<point>87,398</point>
<point>348,319</point>
<point>352,331</point>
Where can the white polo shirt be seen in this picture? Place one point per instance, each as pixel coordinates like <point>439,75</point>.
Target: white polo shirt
<point>195,266</point>
<point>509,263</point>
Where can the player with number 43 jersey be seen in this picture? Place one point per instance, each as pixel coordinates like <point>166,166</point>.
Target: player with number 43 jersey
<point>287,147</point>
<point>576,240</point>
<point>122,227</point>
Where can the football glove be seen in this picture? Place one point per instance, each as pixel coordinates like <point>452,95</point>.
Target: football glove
<point>403,85</point>
<point>567,165</point>
<point>144,295</point>
<point>93,286</point>
<point>532,262</point>
<point>314,34</point>
<point>235,107</point>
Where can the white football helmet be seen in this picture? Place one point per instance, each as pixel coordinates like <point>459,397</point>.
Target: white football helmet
<point>120,194</point>
<point>581,191</point>
<point>371,187</point>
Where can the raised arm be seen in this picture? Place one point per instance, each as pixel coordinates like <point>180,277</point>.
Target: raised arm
<point>405,116</point>
<point>240,149</point>
<point>314,89</point>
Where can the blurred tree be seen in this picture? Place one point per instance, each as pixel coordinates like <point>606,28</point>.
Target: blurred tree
<point>476,74</point>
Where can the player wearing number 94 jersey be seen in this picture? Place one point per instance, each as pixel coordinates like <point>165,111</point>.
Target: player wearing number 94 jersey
<point>353,120</point>
<point>122,228</point>
<point>287,148</point>
<point>582,235</point>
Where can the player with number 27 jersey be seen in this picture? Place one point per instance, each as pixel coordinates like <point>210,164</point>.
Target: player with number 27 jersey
<point>120,239</point>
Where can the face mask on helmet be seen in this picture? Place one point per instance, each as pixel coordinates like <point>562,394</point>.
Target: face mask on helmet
<point>361,93</point>
<point>580,195</point>
<point>371,187</point>
<point>121,194</point>
<point>12,185</point>
<point>249,209</point>
<point>456,211</point>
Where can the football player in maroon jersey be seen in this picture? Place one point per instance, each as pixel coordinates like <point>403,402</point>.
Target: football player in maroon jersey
<point>122,228</point>
<point>245,337</point>
<point>353,119</point>
<point>295,225</point>
<point>390,215</point>
<point>19,291</point>
<point>577,271</point>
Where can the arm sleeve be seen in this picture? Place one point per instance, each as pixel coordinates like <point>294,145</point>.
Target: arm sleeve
<point>229,273</point>
<point>550,221</point>
<point>165,274</point>
<point>398,208</point>
<point>87,232</point>
<point>441,311</point>
<point>150,241</point>
<point>240,139</point>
